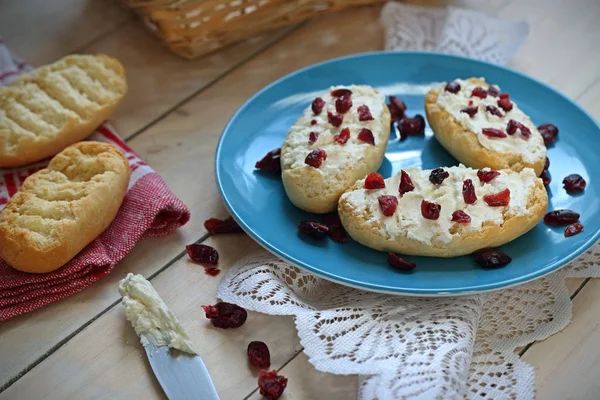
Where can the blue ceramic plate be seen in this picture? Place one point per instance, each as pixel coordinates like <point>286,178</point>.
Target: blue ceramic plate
<point>258,201</point>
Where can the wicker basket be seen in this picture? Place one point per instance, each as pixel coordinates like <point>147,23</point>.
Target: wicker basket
<point>192,28</point>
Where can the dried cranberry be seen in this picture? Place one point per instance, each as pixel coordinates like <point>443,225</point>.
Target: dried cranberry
<point>493,132</point>
<point>203,254</point>
<point>343,136</point>
<point>491,258</point>
<point>270,162</point>
<point>388,204</point>
<point>259,355</point>
<point>374,181</point>
<point>315,158</point>
<point>406,184</point>
<point>398,262</point>
<point>317,105</point>
<point>364,113</point>
<point>226,315</point>
<point>452,87</point>
<point>512,126</point>
<point>313,229</point>
<point>499,199</point>
<point>461,217</point>
<point>271,385</point>
<point>468,192</point>
<point>486,176</point>
<point>312,138</point>
<point>397,108</point>
<point>313,122</point>
<point>470,110</point>
<point>335,119</point>
<point>430,210</point>
<point>546,178</point>
<point>412,126</point>
<point>504,102</point>
<point>479,92</point>
<point>547,164</point>
<point>574,183</point>
<point>561,217</point>
<point>549,132</point>
<point>216,226</point>
<point>343,104</point>
<point>494,110</point>
<point>493,91</point>
<point>337,233</point>
<point>365,135</point>
<point>573,229</point>
<point>341,92</point>
<point>438,175</point>
<point>212,271</point>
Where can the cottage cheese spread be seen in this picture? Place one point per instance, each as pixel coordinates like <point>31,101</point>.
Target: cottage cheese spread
<point>150,316</point>
<point>530,151</point>
<point>407,221</point>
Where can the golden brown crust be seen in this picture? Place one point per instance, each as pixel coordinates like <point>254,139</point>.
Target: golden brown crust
<point>464,145</point>
<point>54,106</point>
<point>465,243</point>
<point>61,209</point>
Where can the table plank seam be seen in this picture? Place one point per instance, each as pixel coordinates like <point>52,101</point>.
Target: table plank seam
<point>81,49</point>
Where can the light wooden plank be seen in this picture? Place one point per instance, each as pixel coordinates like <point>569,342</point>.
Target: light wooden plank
<point>106,360</point>
<point>41,31</point>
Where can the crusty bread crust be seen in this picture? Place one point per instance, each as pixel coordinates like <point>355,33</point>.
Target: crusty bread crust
<point>466,242</point>
<point>464,144</point>
<point>61,209</point>
<point>54,106</point>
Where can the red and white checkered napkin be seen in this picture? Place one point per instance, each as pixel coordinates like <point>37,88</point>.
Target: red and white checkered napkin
<point>149,209</point>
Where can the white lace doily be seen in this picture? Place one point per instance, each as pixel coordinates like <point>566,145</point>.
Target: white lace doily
<point>410,347</point>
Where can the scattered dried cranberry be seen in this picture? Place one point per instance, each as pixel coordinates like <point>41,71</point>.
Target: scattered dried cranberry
<point>343,104</point>
<point>494,111</point>
<point>364,113</point>
<point>561,217</point>
<point>315,158</point>
<point>504,102</point>
<point>271,385</point>
<point>452,87</point>
<point>216,226</point>
<point>573,229</point>
<point>549,132</point>
<point>546,178</point>
<point>335,119</point>
<point>406,184</point>
<point>493,132</point>
<point>574,183</point>
<point>365,135</point>
<point>493,91</point>
<point>512,126</point>
<point>486,176</point>
<point>203,254</point>
<point>438,175</point>
<point>343,136</point>
<point>374,181</point>
<point>499,199</point>
<point>461,217</point>
<point>547,164</point>
<point>259,355</point>
<point>412,126</point>
<point>337,233</point>
<point>388,204</point>
<point>313,229</point>
<point>470,110</point>
<point>317,105</point>
<point>479,92</point>
<point>312,138</point>
<point>212,271</point>
<point>397,108</point>
<point>271,162</point>
<point>398,262</point>
<point>313,122</point>
<point>430,210</point>
<point>341,92</point>
<point>491,258</point>
<point>468,192</point>
<point>226,315</point>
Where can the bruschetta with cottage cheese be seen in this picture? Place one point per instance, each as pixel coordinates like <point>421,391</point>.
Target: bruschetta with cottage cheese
<point>445,212</point>
<point>340,137</point>
<point>482,127</point>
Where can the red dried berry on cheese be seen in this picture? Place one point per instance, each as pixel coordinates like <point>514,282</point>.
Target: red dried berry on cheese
<point>341,92</point>
<point>468,192</point>
<point>512,126</point>
<point>398,262</point>
<point>574,183</point>
<point>573,229</point>
<point>203,254</point>
<point>479,92</point>
<point>271,162</point>
<point>412,126</point>
<point>561,217</point>
<point>452,87</point>
<point>491,258</point>
<point>365,135</point>
<point>494,111</point>
<point>487,176</point>
<point>388,204</point>
<point>313,229</point>
<point>315,158</point>
<point>499,199</point>
<point>549,132</point>
<point>493,132</point>
<point>364,113</point>
<point>216,226</point>
<point>343,136</point>
<point>335,119</point>
<point>471,111</point>
<point>343,104</point>
<point>226,315</point>
<point>438,175</point>
<point>493,91</point>
<point>313,122</point>
<point>271,385</point>
<point>504,102</point>
<point>317,105</point>
<point>430,210</point>
<point>259,355</point>
<point>374,181</point>
<point>312,138</point>
<point>461,217</point>
<point>406,184</point>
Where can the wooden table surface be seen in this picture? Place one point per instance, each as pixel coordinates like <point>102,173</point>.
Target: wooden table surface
<point>82,346</point>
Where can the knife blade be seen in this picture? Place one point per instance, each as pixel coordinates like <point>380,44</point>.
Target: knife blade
<point>181,375</point>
